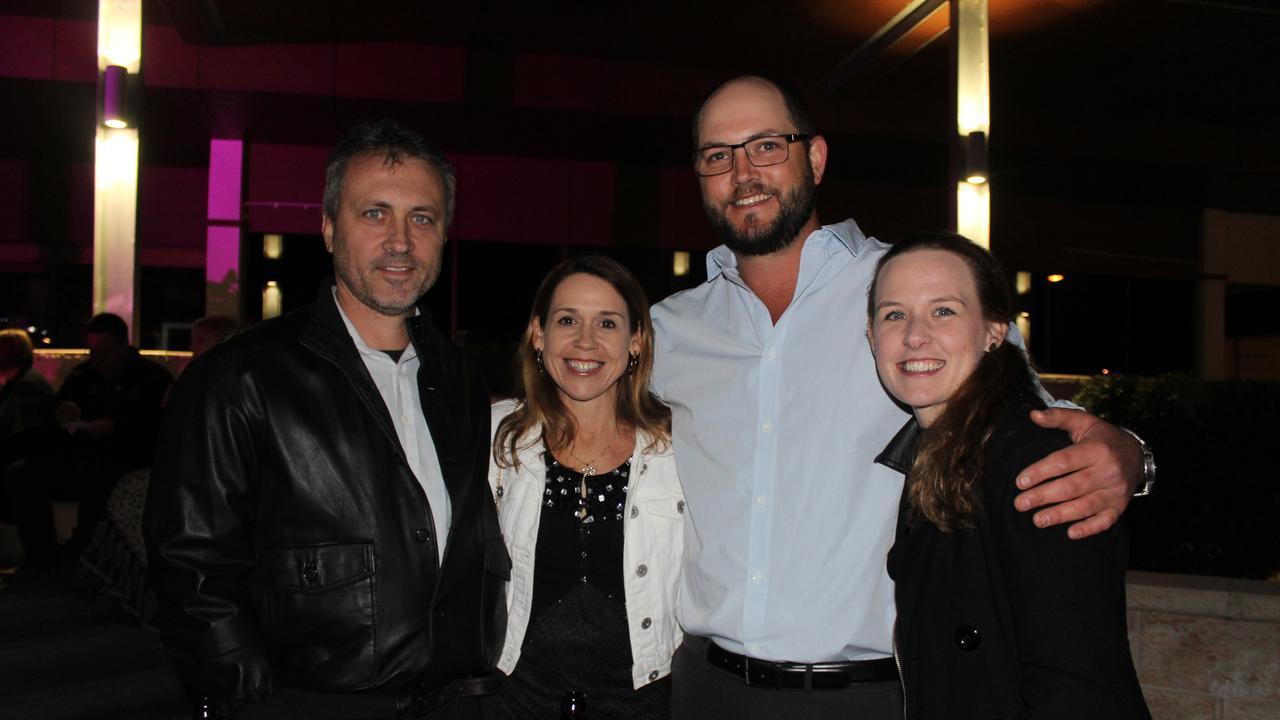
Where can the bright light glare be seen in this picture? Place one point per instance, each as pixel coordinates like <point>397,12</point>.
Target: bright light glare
<point>976,179</point>
<point>973,86</point>
<point>973,212</point>
<point>680,263</point>
<point>1056,278</point>
<point>120,34</point>
<point>272,246</point>
<point>117,158</point>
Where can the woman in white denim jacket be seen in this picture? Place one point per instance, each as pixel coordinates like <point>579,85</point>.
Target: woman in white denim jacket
<point>590,505</point>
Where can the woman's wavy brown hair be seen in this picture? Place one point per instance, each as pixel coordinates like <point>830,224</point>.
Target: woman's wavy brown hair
<point>943,481</point>
<point>540,399</point>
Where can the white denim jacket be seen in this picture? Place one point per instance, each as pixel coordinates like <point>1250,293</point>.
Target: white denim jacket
<point>653,541</point>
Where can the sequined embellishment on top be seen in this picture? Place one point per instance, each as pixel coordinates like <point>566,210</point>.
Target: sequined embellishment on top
<point>606,493</point>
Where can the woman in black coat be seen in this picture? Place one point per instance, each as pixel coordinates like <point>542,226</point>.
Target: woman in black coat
<point>996,618</point>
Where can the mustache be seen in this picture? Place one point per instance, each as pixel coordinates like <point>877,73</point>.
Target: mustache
<point>397,259</point>
<point>755,187</point>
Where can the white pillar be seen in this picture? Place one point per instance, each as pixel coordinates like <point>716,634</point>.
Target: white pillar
<point>115,197</point>
<point>973,115</point>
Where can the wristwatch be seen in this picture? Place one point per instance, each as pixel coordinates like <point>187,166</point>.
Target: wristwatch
<point>1148,466</point>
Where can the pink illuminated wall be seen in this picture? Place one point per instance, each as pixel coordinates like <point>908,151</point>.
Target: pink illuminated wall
<point>222,237</point>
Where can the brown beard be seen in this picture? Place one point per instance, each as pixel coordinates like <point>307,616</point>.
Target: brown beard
<point>794,210</point>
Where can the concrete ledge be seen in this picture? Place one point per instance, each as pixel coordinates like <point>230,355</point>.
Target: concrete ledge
<point>1206,647</point>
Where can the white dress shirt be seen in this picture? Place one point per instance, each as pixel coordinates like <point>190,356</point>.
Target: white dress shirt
<point>397,382</point>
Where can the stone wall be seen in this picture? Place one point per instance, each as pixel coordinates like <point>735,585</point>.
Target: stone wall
<point>1206,648</point>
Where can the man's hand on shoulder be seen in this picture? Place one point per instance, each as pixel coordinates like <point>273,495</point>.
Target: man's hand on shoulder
<point>1090,483</point>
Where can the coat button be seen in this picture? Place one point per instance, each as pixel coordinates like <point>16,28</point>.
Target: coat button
<point>635,511</point>
<point>653,676</point>
<point>439,615</point>
<point>968,638</point>
<point>646,623</point>
<point>642,570</point>
<point>310,573</point>
<point>422,535</point>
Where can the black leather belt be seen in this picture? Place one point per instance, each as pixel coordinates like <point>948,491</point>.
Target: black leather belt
<point>816,676</point>
<point>418,705</point>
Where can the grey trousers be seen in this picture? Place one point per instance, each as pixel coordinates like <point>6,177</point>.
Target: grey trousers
<point>701,691</point>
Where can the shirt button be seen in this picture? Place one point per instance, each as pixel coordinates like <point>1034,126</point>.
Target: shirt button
<point>404,418</point>
<point>646,623</point>
<point>635,511</point>
<point>770,355</point>
<point>422,535</point>
<point>760,500</point>
<point>767,427</point>
<point>755,576</point>
<point>642,570</point>
<point>653,676</point>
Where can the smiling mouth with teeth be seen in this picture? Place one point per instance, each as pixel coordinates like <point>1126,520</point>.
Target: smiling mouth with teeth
<point>915,366</point>
<point>752,199</point>
<point>583,366</point>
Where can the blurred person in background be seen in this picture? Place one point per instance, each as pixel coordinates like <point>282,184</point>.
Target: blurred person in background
<point>108,418</point>
<point>211,330</point>
<point>26,418</point>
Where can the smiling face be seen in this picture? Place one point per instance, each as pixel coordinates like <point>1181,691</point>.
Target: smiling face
<point>387,235</point>
<point>758,210</point>
<point>586,341</point>
<point>928,331</point>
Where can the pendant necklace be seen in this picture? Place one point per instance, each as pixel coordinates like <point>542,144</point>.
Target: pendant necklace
<point>588,470</point>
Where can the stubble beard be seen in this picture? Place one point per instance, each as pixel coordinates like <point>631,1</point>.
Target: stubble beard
<point>362,286</point>
<point>794,210</point>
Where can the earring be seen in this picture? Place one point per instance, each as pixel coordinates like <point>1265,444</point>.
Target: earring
<point>538,360</point>
<point>632,363</point>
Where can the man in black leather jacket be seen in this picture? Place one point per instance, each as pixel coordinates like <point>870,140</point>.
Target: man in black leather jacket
<point>299,506</point>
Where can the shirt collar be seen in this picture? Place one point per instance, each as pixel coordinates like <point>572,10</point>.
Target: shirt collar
<point>900,453</point>
<point>845,235</point>
<point>409,352</point>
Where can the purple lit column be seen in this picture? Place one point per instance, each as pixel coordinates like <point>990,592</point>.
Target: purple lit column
<point>222,238</point>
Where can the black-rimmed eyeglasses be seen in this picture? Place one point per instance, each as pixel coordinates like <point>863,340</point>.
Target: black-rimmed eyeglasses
<point>761,151</point>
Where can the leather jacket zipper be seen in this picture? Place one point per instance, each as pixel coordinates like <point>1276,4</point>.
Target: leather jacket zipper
<point>897,660</point>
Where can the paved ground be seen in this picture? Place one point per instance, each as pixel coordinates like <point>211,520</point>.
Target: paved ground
<point>66,655</point>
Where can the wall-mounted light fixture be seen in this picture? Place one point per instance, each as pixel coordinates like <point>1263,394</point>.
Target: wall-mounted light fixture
<point>975,157</point>
<point>114,80</point>
<point>972,54</point>
<point>1056,278</point>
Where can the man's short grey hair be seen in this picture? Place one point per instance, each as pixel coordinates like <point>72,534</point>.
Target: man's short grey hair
<point>394,143</point>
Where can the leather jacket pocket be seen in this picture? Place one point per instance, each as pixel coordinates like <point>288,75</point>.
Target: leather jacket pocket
<point>319,613</point>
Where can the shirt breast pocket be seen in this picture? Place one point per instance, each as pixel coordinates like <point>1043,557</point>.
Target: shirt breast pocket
<point>661,520</point>
<point>318,613</point>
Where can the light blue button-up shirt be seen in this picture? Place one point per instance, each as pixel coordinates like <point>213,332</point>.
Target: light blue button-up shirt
<point>776,428</point>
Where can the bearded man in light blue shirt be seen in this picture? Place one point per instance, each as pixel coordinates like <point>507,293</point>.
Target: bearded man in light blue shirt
<point>777,416</point>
